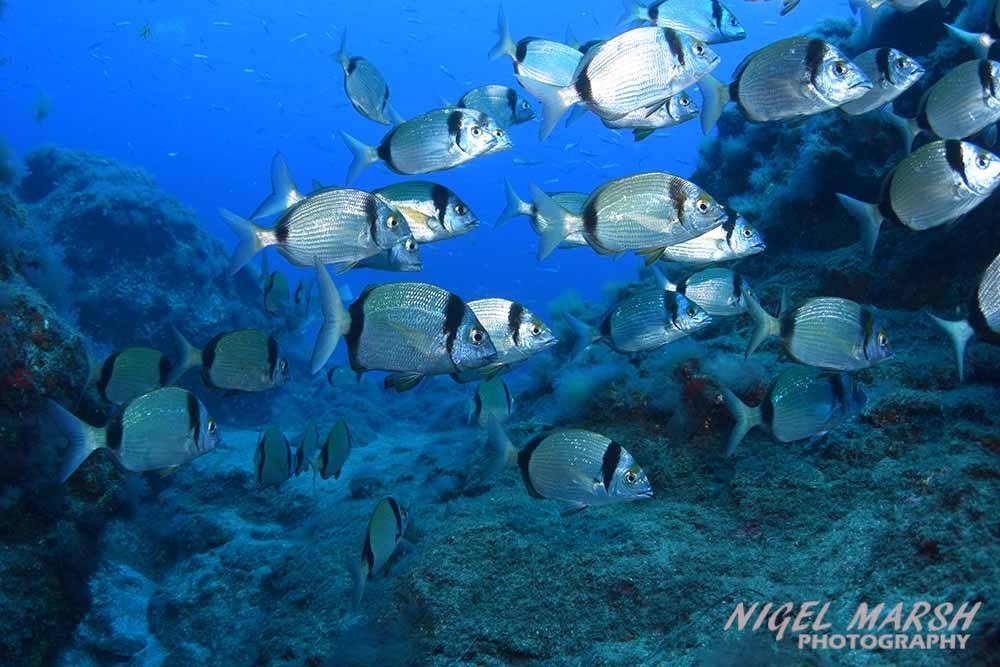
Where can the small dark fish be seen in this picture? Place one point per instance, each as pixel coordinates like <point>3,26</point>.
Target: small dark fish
<point>721,292</point>
<point>130,373</point>
<point>385,530</point>
<point>275,293</point>
<point>403,257</point>
<point>333,455</point>
<point>272,459</point>
<point>735,239</point>
<point>707,20</point>
<point>244,360</point>
<point>541,60</point>
<point>492,400</point>
<point>306,451</point>
<point>433,212</point>
<point>571,201</point>
<point>516,332</point>
<point>891,72</point>
<point>157,431</point>
<point>501,103</point>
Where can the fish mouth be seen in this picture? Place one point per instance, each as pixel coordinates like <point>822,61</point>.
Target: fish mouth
<point>863,85</point>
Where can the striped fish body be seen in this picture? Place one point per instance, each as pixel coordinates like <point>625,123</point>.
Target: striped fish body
<point>385,529</point>
<point>733,240</point>
<point>718,291</point>
<point>415,328</point>
<point>516,332</point>
<point>501,103</point>
<point>891,73</point>
<point>367,90</point>
<point>963,101</point>
<point>441,139</point>
<point>939,183</point>
<point>707,20</point>
<point>245,360</point>
<point>337,226</point>
<point>335,451</point>
<point>404,256</point>
<point>546,61</point>
<point>677,109</point>
<point>647,211</point>
<point>132,372</point>
<point>650,319</point>
<point>572,202</point>
<point>492,399</point>
<point>985,319</point>
<point>162,429</point>
<point>640,69</point>
<point>835,334</point>
<point>804,402</point>
<point>432,211</point>
<point>272,458</point>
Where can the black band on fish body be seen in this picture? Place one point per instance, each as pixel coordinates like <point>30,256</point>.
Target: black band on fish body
<point>510,399</point>
<point>737,285</point>
<point>583,87</point>
<point>353,335</point>
<point>477,402</point>
<point>674,44</point>
<point>523,459</point>
<point>612,456</point>
<point>454,312</point>
<point>882,63</point>
<point>767,408</point>
<point>653,12</point>
<point>272,354</point>
<point>717,14</point>
<point>367,555</point>
<point>867,323</point>
<point>399,516</point>
<point>815,51</point>
<point>953,154</point>
<point>589,219</point>
<point>261,457</point>
<point>512,100</point>
<point>786,324</point>
<point>114,431</point>
<point>347,433</point>
<point>681,287</point>
<point>107,370</point>
<point>605,327</point>
<point>208,358</point>
<point>384,149</point>
<point>977,320</point>
<point>521,52</point>
<point>165,368</point>
<point>986,79</point>
<point>670,306</point>
<point>371,215</point>
<point>734,95</point>
<point>352,64</point>
<point>885,199</point>
<point>454,125</point>
<point>838,385</point>
<point>385,100</point>
<point>440,196</point>
<point>288,452</point>
<point>678,195</point>
<point>514,321</point>
<point>281,231</point>
<point>194,419</point>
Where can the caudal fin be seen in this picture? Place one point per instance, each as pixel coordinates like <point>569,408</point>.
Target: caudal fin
<point>747,418</point>
<point>505,45</point>
<point>364,156</point>
<point>515,205</point>
<point>502,451</point>
<point>335,319</point>
<point>283,191</point>
<point>188,357</point>
<point>633,10</point>
<point>395,117</point>
<point>907,127</point>
<point>561,223</point>
<point>250,239</point>
<point>979,42</point>
<point>555,101</point>
<point>84,439</point>
<point>661,280</point>
<point>578,112</point>
<point>869,220</point>
<point>764,324</point>
<point>715,97</point>
<point>342,57</point>
<point>959,333</point>
<point>584,334</point>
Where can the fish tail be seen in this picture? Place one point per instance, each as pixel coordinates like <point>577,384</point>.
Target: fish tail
<point>639,135</point>
<point>515,205</point>
<point>502,450</point>
<point>555,102</point>
<point>765,325</point>
<point>364,156</point>
<point>571,39</point>
<point>335,319</point>
<point>632,10</point>
<point>250,239</point>
<point>789,5</point>
<point>585,335</point>
<point>562,223</point>
<point>959,333</point>
<point>188,357</point>
<point>661,280</point>
<point>715,97</point>
<point>284,193</point>
<point>356,568</point>
<point>504,45</point>
<point>979,42</point>
<point>395,116</point>
<point>577,112</point>
<point>869,220</point>
<point>908,128</point>
<point>747,418</point>
<point>83,438</point>
<point>342,57</point>
<point>866,22</point>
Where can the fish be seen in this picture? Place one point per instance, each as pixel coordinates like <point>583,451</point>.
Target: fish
<point>891,72</point>
<point>501,103</point>
<point>571,201</point>
<point>735,239</point>
<point>983,321</point>
<point>678,109</point>
<point>160,430</point>
<point>537,59</point>
<point>790,78</point>
<point>708,20</point>
<point>404,256</point>
<point>639,69</point>
<point>335,226</point>
<point>306,451</point>
<point>935,185</point>
<point>434,141</point>
<point>275,292</point>
<point>979,42</point>
<point>272,460</point>
<point>433,212</point>
<point>720,292</point>
<point>959,104</point>
<point>130,373</point>
<point>246,360</point>
<point>411,330</point>
<point>642,322</point>
<point>516,332</point>
<point>334,452</point>
<point>366,88</point>
<point>580,468</point>
<point>644,213</point>
<point>284,193</point>
<point>492,400</point>
<point>385,530</point>
<point>826,332</point>
<point>801,403</point>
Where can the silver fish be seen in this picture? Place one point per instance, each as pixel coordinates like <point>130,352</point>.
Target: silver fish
<point>404,257</point>
<point>983,322</point>
<point>492,400</point>
<point>539,59</point>
<point>933,186</point>
<point>335,451</point>
<point>237,361</point>
<point>437,140</point>
<point>707,20</point>
<point>272,460</point>
<point>516,332</point>
<point>891,73</point>
<point>644,213</point>
<point>432,211</point>
<point>571,201</point>
<point>793,77</point>
<point>409,329</point>
<point>642,322</point>
<point>720,292</point>
<point>159,430</point>
<point>735,239</point>
<point>578,467</point>
<point>827,332</point>
<point>501,103</point>
<point>306,451</point>
<point>678,109</point>
<point>366,88</point>
<point>639,69</point>
<point>385,529</point>
<point>801,403</point>
<point>130,373</point>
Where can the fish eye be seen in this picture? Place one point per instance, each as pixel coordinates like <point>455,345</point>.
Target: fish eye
<point>411,245</point>
<point>702,206</point>
<point>883,340</point>
<point>630,477</point>
<point>685,100</point>
<point>699,49</point>
<point>982,161</point>
<point>460,209</point>
<point>733,22</point>
<point>212,427</point>
<point>284,364</point>
<point>747,232</point>
<point>840,68</point>
<point>391,222</point>
<point>476,131</point>
<point>900,63</point>
<point>499,133</point>
<point>692,311</point>
<point>477,336</point>
<point>535,330</point>
<point>525,105</point>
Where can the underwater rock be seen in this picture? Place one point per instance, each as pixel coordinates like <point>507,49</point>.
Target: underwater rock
<point>116,624</point>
